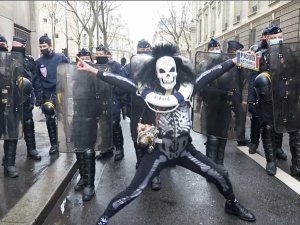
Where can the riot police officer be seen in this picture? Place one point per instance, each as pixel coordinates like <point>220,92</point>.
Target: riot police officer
<point>102,58</point>
<point>241,116</point>
<point>284,69</point>
<point>13,87</point>
<point>85,120</point>
<point>262,87</point>
<point>19,45</point>
<point>253,108</point>
<point>46,68</point>
<point>216,98</point>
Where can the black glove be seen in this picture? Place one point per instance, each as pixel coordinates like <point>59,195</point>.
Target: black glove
<point>38,102</point>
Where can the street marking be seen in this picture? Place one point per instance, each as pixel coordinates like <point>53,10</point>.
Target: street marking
<point>284,177</point>
<point>98,177</point>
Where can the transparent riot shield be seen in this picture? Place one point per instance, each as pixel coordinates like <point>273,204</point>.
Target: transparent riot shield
<point>11,95</point>
<point>137,62</point>
<point>83,110</point>
<point>220,108</point>
<point>285,77</point>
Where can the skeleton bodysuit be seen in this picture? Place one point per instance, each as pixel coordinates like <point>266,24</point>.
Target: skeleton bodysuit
<point>173,144</point>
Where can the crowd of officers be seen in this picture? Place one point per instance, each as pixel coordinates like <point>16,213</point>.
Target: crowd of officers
<point>42,74</point>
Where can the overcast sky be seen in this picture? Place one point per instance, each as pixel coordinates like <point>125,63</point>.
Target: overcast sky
<point>142,18</point>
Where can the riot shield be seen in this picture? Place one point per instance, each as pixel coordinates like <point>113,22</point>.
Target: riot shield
<point>137,62</point>
<point>284,70</point>
<point>83,110</point>
<point>11,95</point>
<point>220,108</point>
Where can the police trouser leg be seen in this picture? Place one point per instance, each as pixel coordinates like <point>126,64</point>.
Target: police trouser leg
<point>118,140</point>
<point>52,131</point>
<point>212,144</point>
<point>9,158</point>
<point>267,140</point>
<point>278,146</point>
<point>29,136</point>
<point>221,151</point>
<point>80,161</point>
<point>254,134</point>
<point>89,174</point>
<point>295,152</point>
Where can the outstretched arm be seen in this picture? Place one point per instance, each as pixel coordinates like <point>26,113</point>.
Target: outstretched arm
<point>213,73</point>
<point>111,78</point>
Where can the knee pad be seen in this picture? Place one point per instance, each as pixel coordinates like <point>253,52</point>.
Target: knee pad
<point>48,108</point>
<point>262,86</point>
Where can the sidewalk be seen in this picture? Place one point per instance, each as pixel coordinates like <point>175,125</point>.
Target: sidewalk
<point>28,198</point>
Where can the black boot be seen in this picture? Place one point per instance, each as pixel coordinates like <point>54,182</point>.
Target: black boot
<point>156,183</point>
<point>221,151</point>
<point>80,160</point>
<point>29,136</point>
<point>52,131</point>
<point>212,144</point>
<point>254,134</point>
<point>118,141</point>
<point>140,152</point>
<point>295,151</point>
<point>278,146</point>
<point>235,208</point>
<point>268,140</point>
<point>9,158</point>
<point>89,175</point>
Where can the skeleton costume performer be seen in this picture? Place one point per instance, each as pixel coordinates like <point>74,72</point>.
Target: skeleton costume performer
<point>167,82</point>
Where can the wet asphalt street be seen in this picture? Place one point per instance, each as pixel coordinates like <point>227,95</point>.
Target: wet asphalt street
<point>185,198</point>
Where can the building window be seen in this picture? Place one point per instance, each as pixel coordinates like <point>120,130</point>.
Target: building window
<point>225,15</point>
<point>45,20</point>
<point>213,20</point>
<point>205,27</point>
<point>200,32</point>
<point>84,40</point>
<point>253,7</point>
<point>237,12</point>
<point>252,37</point>
<point>275,22</point>
<point>23,33</point>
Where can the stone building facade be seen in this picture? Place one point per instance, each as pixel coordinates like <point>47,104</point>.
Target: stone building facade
<point>19,18</point>
<point>242,21</point>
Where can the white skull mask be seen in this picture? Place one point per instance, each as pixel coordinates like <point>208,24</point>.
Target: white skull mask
<point>166,72</point>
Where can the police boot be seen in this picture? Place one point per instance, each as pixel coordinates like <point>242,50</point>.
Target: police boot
<point>212,144</point>
<point>29,137</point>
<point>89,175</point>
<point>156,183</point>
<point>9,158</point>
<point>295,151</point>
<point>118,141</point>
<point>267,140</point>
<point>52,131</point>
<point>221,151</point>
<point>140,152</point>
<point>254,134</point>
<point>80,160</point>
<point>235,208</point>
<point>278,144</point>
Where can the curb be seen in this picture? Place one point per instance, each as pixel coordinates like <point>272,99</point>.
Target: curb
<point>36,204</point>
